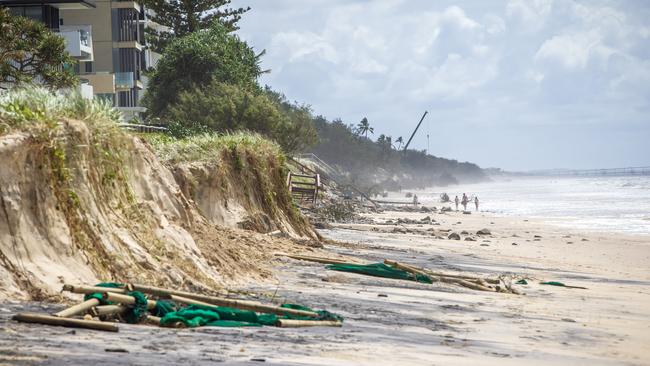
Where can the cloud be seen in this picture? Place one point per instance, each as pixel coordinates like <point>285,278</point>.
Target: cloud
<point>476,66</point>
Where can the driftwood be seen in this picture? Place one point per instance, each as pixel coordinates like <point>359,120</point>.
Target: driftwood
<point>429,272</point>
<point>293,323</point>
<point>153,320</point>
<point>324,260</point>
<point>161,292</point>
<point>125,299</point>
<point>64,322</point>
<point>245,305</point>
<point>444,279</point>
<point>108,310</point>
<point>77,309</point>
<point>80,289</point>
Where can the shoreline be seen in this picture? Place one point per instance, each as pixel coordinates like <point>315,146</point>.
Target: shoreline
<point>390,322</point>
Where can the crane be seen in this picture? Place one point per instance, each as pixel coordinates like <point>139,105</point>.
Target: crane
<point>414,131</point>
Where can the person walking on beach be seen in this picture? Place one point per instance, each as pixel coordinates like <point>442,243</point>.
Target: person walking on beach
<point>456,201</point>
<point>476,202</point>
<point>415,200</point>
<point>464,201</point>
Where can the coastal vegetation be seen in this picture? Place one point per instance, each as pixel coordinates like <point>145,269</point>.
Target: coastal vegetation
<point>31,53</point>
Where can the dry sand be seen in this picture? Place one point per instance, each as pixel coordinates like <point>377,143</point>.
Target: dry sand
<point>393,322</point>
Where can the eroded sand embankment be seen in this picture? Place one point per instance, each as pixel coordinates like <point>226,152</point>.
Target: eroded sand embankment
<point>87,204</point>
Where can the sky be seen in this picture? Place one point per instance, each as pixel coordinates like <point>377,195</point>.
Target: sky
<point>519,84</point>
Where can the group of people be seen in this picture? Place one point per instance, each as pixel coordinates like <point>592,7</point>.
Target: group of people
<point>464,201</point>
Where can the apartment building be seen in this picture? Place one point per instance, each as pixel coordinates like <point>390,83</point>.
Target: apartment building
<point>78,37</point>
<point>114,32</point>
<point>121,55</point>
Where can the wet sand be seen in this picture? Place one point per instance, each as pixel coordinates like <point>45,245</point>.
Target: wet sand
<point>390,322</point>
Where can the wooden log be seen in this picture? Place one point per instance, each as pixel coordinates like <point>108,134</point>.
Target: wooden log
<point>430,273</point>
<point>161,292</point>
<point>80,289</point>
<point>125,299</point>
<point>244,305</point>
<point>64,322</point>
<point>458,281</point>
<point>153,320</point>
<point>293,323</point>
<point>77,309</point>
<point>324,260</point>
<point>108,310</point>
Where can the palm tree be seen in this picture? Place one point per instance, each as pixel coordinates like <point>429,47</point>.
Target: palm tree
<point>364,127</point>
<point>399,141</point>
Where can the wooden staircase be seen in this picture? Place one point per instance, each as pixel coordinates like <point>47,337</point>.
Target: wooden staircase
<point>303,187</point>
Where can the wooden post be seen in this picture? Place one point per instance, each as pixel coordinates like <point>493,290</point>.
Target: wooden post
<point>107,310</point>
<point>77,309</point>
<point>245,305</point>
<point>80,289</point>
<point>153,320</point>
<point>293,323</point>
<point>126,299</point>
<point>64,322</point>
<point>317,259</point>
<point>161,292</point>
<point>445,279</point>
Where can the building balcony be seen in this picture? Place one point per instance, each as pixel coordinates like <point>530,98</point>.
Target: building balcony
<point>124,80</point>
<point>78,41</point>
<point>102,82</point>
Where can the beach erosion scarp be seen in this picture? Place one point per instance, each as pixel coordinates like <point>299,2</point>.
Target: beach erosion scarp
<point>83,202</point>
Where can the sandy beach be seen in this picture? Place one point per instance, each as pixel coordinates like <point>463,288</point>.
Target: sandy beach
<point>390,322</point>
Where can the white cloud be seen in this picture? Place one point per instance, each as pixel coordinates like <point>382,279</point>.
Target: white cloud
<point>524,63</point>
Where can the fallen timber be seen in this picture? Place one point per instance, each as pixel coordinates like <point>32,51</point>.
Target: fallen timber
<point>323,260</point>
<point>294,323</point>
<point>77,309</point>
<point>112,294</point>
<point>64,322</point>
<point>442,274</point>
<point>457,281</point>
<point>124,305</point>
<point>244,305</point>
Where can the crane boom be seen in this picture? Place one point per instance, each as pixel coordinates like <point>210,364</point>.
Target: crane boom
<point>416,130</point>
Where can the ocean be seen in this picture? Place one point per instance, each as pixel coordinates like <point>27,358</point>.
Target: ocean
<point>608,204</point>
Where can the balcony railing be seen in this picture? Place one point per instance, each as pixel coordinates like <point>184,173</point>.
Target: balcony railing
<point>124,80</point>
<point>78,41</point>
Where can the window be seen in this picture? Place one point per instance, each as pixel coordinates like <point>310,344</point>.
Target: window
<point>89,66</point>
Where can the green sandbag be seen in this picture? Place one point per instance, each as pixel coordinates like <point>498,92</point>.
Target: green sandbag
<point>380,270</point>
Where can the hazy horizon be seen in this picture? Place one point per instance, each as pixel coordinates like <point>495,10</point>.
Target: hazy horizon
<point>518,85</point>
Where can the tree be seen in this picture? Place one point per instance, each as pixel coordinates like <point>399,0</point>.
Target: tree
<point>198,59</point>
<point>31,53</point>
<point>364,127</point>
<point>183,17</point>
<point>399,141</point>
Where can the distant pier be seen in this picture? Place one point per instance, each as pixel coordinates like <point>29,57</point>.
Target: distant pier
<point>611,172</point>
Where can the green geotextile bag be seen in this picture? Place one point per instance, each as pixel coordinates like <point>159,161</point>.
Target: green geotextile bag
<point>221,316</point>
<point>380,270</point>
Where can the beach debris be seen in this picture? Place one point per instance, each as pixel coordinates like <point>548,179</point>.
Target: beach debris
<point>325,260</point>
<point>469,238</point>
<point>453,236</point>
<point>467,212</point>
<point>129,303</point>
<point>522,282</point>
<point>484,232</point>
<point>515,244</point>
<point>560,284</point>
<point>485,245</point>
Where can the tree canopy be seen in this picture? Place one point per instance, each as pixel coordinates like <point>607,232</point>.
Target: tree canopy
<point>182,17</point>
<point>31,53</point>
<point>198,59</point>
